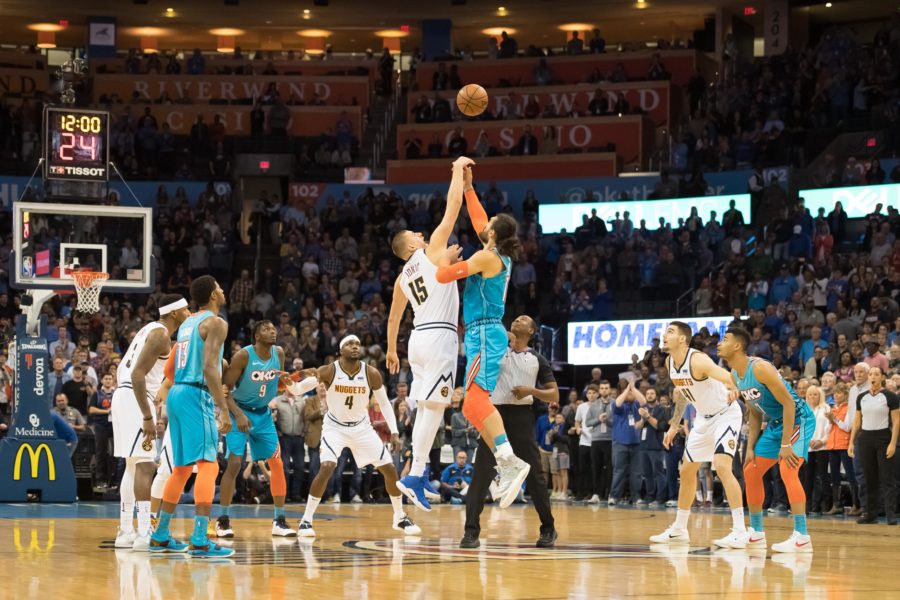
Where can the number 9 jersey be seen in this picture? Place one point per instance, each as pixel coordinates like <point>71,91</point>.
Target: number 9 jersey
<point>434,344</point>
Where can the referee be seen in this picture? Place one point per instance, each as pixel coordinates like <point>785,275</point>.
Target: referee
<point>520,371</point>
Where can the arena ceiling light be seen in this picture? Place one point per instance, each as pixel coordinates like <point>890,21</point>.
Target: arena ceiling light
<point>314,33</point>
<point>641,4</point>
<point>148,31</point>
<point>227,31</point>
<point>576,27</point>
<point>391,33</point>
<point>54,27</point>
<point>495,31</point>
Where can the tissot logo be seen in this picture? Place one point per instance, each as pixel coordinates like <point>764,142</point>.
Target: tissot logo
<point>81,171</point>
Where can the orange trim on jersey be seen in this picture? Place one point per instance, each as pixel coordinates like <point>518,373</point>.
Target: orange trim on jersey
<point>169,368</point>
<point>473,370</point>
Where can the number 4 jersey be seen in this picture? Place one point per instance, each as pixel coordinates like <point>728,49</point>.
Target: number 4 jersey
<point>432,302</point>
<point>348,395</point>
<point>258,384</point>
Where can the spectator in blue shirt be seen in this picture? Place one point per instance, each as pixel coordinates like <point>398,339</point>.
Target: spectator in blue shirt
<point>759,346</point>
<point>800,244</point>
<point>455,479</point>
<point>64,431</point>
<point>783,286</point>
<point>626,444</point>
<point>542,427</point>
<point>807,349</point>
<point>196,64</point>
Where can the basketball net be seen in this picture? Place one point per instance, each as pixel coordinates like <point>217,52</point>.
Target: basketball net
<point>88,285</point>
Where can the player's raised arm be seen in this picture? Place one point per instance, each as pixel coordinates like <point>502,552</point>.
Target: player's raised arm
<point>399,302</point>
<point>477,214</point>
<point>766,374</point>
<point>462,174</point>
<point>703,366</point>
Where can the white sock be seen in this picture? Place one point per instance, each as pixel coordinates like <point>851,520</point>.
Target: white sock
<point>429,419</point>
<point>709,495</point>
<point>503,451</point>
<point>126,493</point>
<point>397,503</point>
<point>143,517</point>
<point>681,518</point>
<point>737,520</point>
<point>699,496</point>
<point>312,503</point>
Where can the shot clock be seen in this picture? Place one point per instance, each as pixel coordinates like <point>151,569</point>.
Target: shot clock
<point>76,143</point>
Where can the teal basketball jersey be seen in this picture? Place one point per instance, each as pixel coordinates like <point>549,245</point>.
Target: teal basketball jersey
<point>485,297</point>
<point>258,384</point>
<point>761,398</point>
<point>189,351</point>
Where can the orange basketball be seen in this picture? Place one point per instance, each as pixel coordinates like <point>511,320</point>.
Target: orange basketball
<point>472,100</point>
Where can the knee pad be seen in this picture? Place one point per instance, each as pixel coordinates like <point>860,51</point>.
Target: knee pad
<point>477,406</point>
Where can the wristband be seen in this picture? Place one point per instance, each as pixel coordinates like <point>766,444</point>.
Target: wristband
<point>148,418</point>
<point>786,445</point>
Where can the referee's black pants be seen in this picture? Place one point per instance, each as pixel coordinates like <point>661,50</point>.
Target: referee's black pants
<point>519,423</point>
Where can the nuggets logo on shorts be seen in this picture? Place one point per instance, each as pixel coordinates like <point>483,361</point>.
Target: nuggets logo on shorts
<point>731,444</point>
<point>445,391</point>
<point>147,446</point>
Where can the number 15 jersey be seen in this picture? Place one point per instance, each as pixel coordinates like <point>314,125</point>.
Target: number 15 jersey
<point>432,302</point>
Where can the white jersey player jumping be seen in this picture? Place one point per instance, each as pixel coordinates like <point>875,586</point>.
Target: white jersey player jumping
<point>350,384</point>
<point>140,377</point>
<point>434,344</point>
<point>713,437</point>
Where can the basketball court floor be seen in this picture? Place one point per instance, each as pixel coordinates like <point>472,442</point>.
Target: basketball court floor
<point>65,551</point>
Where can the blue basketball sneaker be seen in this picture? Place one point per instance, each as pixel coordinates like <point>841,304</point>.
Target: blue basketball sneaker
<point>168,545</point>
<point>414,488</point>
<point>210,550</point>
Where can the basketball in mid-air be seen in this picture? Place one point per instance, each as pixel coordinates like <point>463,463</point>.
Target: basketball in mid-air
<point>472,100</point>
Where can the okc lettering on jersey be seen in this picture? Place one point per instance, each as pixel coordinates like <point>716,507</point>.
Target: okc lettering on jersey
<point>350,389</point>
<point>751,394</point>
<point>683,382</point>
<point>268,375</point>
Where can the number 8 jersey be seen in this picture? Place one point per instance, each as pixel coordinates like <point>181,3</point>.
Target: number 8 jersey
<point>432,302</point>
<point>348,395</point>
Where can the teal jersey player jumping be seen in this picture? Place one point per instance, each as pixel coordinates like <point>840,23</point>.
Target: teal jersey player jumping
<point>254,376</point>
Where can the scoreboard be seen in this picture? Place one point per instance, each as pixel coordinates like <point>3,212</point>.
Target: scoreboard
<point>76,144</point>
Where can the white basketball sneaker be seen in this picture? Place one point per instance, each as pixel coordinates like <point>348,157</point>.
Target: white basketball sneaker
<point>141,543</point>
<point>672,536</point>
<point>125,539</point>
<point>735,539</point>
<point>797,543</point>
<point>406,525</point>
<point>513,471</point>
<point>756,539</point>
<point>280,528</point>
<point>305,530</point>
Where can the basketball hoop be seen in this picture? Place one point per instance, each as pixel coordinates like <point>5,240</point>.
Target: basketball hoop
<point>87,286</point>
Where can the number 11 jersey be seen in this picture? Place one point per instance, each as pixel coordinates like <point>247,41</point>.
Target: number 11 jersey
<point>432,302</point>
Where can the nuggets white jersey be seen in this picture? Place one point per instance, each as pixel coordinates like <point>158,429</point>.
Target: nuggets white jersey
<point>708,396</point>
<point>155,376</point>
<point>348,396</point>
<point>432,302</point>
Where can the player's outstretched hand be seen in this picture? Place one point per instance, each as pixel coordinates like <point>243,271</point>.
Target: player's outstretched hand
<point>462,162</point>
<point>450,256</point>
<point>669,437</point>
<point>733,394</point>
<point>393,363</point>
<point>396,445</point>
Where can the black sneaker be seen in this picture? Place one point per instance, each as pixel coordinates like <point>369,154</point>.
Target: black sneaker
<point>469,541</point>
<point>547,539</point>
<point>223,527</point>
<point>867,519</point>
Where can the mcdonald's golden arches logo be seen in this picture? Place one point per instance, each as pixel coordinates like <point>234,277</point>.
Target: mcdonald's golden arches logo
<point>34,544</point>
<point>34,456</point>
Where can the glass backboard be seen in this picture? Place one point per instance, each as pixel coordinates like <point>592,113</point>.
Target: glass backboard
<point>49,240</point>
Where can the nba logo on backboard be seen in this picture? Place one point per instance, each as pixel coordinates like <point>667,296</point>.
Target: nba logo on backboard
<point>57,170</point>
<point>27,266</point>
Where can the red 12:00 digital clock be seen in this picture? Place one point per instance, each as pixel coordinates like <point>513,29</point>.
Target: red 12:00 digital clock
<point>77,144</point>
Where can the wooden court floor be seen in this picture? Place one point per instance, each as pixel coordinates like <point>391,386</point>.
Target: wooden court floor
<point>65,552</point>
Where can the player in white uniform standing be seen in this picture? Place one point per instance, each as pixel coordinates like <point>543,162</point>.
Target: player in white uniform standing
<point>350,384</point>
<point>140,376</point>
<point>713,438</point>
<point>434,344</point>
